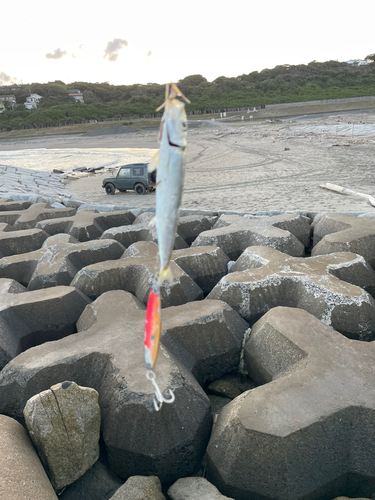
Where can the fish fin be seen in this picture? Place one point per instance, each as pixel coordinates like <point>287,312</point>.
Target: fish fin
<point>166,275</point>
<point>154,162</point>
<point>152,222</point>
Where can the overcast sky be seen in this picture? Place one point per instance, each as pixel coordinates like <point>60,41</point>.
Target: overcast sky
<point>145,41</point>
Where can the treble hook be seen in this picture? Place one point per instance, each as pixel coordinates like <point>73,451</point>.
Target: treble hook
<point>159,398</point>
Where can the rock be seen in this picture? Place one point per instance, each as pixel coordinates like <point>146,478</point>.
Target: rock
<point>263,278</point>
<point>64,425</point>
<point>135,272</point>
<point>31,318</point>
<point>140,488</point>
<point>86,225</point>
<point>98,483</point>
<point>223,388</point>
<point>347,498</point>
<point>292,437</point>
<point>344,233</point>
<point>22,474</point>
<point>195,488</point>
<point>288,233</point>
<point>58,261</point>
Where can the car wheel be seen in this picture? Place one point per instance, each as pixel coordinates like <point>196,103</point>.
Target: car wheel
<point>110,188</point>
<point>139,188</point>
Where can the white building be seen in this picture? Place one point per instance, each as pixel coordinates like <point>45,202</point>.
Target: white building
<point>7,98</point>
<point>77,95</point>
<point>32,101</point>
<point>358,62</point>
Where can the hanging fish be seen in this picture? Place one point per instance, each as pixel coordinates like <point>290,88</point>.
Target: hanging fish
<point>170,163</point>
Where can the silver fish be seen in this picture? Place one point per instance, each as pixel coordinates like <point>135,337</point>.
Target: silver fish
<point>170,162</point>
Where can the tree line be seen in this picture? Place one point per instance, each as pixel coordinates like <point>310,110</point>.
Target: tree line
<point>282,84</point>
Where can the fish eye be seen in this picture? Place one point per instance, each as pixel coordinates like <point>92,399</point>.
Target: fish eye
<point>183,123</point>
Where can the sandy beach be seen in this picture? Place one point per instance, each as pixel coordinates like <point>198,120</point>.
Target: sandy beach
<point>250,166</point>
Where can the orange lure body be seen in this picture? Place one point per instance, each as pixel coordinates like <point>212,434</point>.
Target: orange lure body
<point>152,327</point>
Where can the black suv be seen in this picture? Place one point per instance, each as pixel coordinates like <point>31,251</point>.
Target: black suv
<point>134,177</point>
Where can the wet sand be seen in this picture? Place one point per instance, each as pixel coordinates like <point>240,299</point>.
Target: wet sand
<point>254,167</point>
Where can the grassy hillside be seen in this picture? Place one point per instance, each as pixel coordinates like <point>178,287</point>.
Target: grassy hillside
<point>283,84</point>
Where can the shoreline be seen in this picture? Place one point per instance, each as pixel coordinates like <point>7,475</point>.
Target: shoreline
<point>256,167</point>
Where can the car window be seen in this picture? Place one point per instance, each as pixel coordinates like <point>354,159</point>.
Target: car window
<point>124,172</point>
<point>138,172</point>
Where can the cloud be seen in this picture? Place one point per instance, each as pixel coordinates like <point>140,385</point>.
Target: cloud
<point>149,53</point>
<point>58,54</point>
<point>4,78</point>
<point>112,50</point>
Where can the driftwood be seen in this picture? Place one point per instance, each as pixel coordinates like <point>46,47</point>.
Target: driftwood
<point>349,192</point>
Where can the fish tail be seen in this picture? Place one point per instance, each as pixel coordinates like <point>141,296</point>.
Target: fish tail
<point>165,275</point>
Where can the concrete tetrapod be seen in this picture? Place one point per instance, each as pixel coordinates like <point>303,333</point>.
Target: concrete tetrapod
<point>136,270</point>
<point>31,318</point>
<point>107,354</point>
<point>263,278</point>
<point>86,225</point>
<point>142,229</point>
<point>58,261</point>
<point>28,218</point>
<point>289,233</point>
<point>344,233</point>
<point>16,242</point>
<point>309,432</point>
